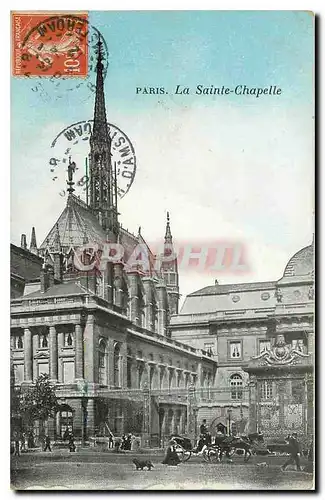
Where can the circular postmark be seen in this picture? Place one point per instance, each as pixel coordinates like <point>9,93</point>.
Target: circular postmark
<point>73,141</point>
<point>61,52</point>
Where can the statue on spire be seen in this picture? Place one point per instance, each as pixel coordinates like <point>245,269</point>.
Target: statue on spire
<point>71,170</point>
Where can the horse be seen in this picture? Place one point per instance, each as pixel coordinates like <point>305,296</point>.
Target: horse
<point>228,444</point>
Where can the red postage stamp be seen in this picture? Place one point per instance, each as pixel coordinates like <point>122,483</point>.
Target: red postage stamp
<point>49,44</point>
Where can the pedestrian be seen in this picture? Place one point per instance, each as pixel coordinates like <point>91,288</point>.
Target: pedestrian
<point>123,443</point>
<point>203,427</point>
<point>294,450</point>
<point>72,446</point>
<point>117,444</point>
<point>23,442</point>
<point>133,439</point>
<point>110,440</point>
<point>171,457</point>
<point>47,443</point>
<point>17,447</point>
<point>31,442</point>
<point>128,442</point>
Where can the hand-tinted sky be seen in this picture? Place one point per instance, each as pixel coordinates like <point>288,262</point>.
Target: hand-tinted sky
<point>225,166</point>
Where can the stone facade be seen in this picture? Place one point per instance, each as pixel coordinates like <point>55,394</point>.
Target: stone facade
<point>240,325</point>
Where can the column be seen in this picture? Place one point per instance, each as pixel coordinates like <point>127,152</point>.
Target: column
<point>191,424</point>
<point>134,299</point>
<point>310,344</point>
<point>90,416</point>
<point>149,306</point>
<point>79,353</point>
<point>162,313</point>
<point>309,381</point>
<point>78,419</point>
<point>28,356</point>
<point>281,384</point>
<point>146,418</point>
<point>53,354</point>
<point>253,404</point>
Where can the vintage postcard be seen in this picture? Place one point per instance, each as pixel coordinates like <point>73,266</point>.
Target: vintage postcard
<point>162,250</point>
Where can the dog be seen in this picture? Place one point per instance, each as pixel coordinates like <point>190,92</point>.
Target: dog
<point>140,464</point>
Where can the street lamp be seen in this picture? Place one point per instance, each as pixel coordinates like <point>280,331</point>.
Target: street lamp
<point>229,412</point>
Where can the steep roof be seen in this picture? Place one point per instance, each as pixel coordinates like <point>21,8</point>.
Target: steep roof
<point>74,223</point>
<point>77,221</point>
<point>65,288</point>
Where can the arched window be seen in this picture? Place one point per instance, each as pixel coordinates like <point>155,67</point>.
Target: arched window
<point>117,348</point>
<point>236,384</point>
<point>129,362</point>
<point>102,362</point>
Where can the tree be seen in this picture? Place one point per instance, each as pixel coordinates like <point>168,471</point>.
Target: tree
<point>38,402</point>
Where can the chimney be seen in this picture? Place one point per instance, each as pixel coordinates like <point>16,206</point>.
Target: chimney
<point>23,242</point>
<point>44,279</point>
<point>57,256</point>
<point>50,276</point>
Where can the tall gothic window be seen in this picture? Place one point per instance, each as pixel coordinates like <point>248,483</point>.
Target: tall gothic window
<point>129,368</point>
<point>102,362</point>
<point>140,373</point>
<point>117,375</point>
<point>236,384</point>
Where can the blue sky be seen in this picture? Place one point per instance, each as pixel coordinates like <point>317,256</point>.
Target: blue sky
<point>240,166</point>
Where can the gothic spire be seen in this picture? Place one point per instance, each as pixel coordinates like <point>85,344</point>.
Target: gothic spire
<point>100,133</point>
<point>103,185</point>
<point>168,234</point>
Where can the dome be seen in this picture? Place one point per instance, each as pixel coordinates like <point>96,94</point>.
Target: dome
<point>301,264</point>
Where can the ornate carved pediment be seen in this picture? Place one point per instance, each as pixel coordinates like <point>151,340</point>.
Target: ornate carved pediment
<point>42,354</point>
<point>280,353</point>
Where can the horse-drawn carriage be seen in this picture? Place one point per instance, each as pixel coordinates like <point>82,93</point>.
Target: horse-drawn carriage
<point>214,450</point>
<point>185,450</point>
